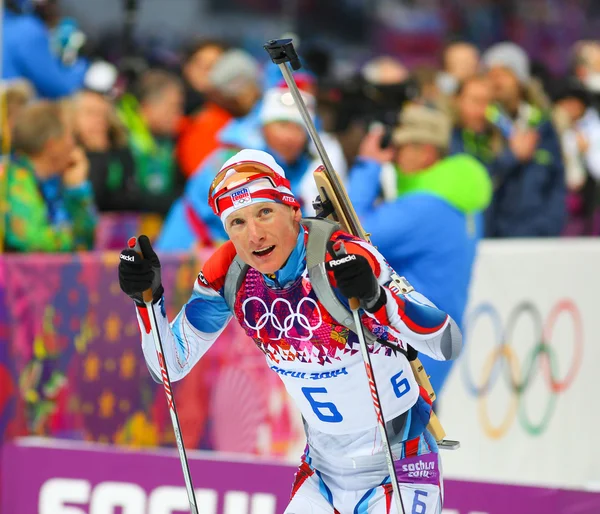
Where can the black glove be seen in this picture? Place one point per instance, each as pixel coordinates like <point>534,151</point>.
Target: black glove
<point>355,279</point>
<point>136,275</point>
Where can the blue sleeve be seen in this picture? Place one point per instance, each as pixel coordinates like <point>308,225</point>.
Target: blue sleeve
<point>191,334</point>
<point>37,64</point>
<point>176,233</point>
<point>389,223</point>
<point>209,314</point>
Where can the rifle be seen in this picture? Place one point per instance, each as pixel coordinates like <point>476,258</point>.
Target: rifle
<point>334,203</point>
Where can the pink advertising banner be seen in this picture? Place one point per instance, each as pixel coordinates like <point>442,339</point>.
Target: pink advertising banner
<point>46,476</point>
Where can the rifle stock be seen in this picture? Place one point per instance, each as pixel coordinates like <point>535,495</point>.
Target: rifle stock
<point>344,214</point>
<point>332,192</point>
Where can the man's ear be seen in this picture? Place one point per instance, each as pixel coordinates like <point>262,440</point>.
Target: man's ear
<point>297,214</point>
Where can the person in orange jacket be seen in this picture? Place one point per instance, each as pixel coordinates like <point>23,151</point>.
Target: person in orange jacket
<point>234,90</point>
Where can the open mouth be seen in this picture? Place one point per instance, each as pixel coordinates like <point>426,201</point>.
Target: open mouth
<point>264,252</point>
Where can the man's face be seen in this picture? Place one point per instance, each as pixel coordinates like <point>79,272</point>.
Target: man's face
<point>462,61</point>
<point>163,113</point>
<point>574,107</point>
<point>198,67</point>
<point>287,139</point>
<point>58,150</point>
<point>91,115</point>
<point>415,157</point>
<point>505,85</point>
<point>264,234</point>
<point>472,103</point>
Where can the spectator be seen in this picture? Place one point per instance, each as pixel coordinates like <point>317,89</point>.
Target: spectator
<point>233,89</point>
<point>376,92</point>
<point>460,62</point>
<point>530,194</point>
<point>27,50</point>
<point>18,93</point>
<point>198,61</point>
<point>384,70</point>
<point>580,138</point>
<point>429,232</point>
<point>427,84</point>
<point>151,117</point>
<point>50,201</point>
<point>586,65</point>
<point>191,222</point>
<point>112,168</point>
<point>473,133</point>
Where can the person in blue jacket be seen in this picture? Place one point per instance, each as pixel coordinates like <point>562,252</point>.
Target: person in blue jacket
<point>528,174</point>
<point>27,51</point>
<point>430,230</point>
<point>275,126</point>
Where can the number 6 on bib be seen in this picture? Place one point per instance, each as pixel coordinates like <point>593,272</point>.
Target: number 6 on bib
<point>325,411</point>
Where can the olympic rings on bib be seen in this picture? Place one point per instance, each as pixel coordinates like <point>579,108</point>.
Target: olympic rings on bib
<point>293,322</point>
<point>503,361</point>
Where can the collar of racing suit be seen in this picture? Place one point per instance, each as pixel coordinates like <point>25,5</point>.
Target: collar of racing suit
<point>293,267</point>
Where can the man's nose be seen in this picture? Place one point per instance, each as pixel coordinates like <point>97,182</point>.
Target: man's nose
<point>256,234</point>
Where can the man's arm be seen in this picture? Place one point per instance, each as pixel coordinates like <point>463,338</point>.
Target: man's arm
<point>28,228</point>
<point>412,318</point>
<point>185,340</point>
<point>197,326</point>
<point>37,64</point>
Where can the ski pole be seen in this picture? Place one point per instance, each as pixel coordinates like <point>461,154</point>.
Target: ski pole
<point>147,297</point>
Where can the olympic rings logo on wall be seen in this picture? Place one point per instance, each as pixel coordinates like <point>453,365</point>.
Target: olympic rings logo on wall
<point>503,358</point>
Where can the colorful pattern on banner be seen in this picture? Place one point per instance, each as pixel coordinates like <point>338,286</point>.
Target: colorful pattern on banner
<point>72,366</point>
<point>77,477</point>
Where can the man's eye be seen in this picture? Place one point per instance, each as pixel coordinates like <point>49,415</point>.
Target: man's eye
<point>236,221</point>
<point>266,210</point>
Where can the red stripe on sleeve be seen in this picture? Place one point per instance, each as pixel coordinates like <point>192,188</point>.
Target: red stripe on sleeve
<point>381,316</point>
<point>418,329</point>
<point>145,317</point>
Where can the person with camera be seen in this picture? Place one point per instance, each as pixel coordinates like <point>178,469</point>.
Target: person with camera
<point>430,230</point>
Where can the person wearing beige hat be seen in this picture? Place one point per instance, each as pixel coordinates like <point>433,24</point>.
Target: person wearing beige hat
<point>430,226</point>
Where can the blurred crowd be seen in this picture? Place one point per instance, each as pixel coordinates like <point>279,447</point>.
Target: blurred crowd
<point>83,142</point>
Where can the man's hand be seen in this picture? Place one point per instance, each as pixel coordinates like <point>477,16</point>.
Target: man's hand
<point>523,144</point>
<point>355,279</point>
<point>137,274</point>
<point>583,145</point>
<point>77,171</point>
<point>370,147</point>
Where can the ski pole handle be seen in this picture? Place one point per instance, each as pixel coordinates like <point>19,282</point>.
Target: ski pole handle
<point>133,244</point>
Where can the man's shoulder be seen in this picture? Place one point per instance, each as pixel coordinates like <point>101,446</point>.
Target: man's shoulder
<point>215,268</point>
<point>19,175</point>
<point>420,203</point>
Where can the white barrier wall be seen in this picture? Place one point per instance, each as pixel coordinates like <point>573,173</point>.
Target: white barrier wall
<point>523,398</point>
